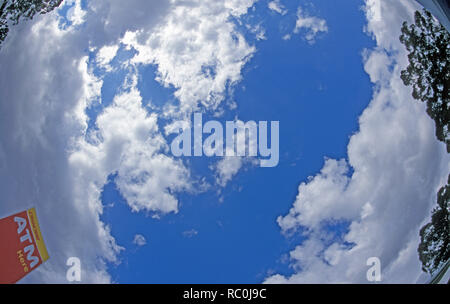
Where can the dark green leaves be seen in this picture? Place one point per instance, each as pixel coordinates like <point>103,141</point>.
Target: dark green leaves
<point>428,44</point>
<point>428,72</point>
<point>12,11</point>
<point>434,247</point>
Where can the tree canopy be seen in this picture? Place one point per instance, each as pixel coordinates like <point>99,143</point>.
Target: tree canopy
<point>428,44</point>
<point>434,248</point>
<point>12,11</point>
<point>428,72</point>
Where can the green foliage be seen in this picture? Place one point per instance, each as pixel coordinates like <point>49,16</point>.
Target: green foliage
<point>434,248</point>
<point>428,72</point>
<point>12,11</point>
<point>3,30</point>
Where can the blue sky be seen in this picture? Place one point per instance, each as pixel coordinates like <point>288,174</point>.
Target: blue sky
<point>84,137</point>
<point>317,92</point>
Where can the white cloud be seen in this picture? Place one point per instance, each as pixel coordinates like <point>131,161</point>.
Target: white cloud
<point>128,142</point>
<point>76,15</point>
<point>226,168</point>
<point>309,26</point>
<point>276,6</point>
<point>197,50</point>
<point>398,166</point>
<point>286,37</point>
<point>44,87</point>
<point>47,158</point>
<point>107,21</point>
<point>105,55</point>
<point>139,240</point>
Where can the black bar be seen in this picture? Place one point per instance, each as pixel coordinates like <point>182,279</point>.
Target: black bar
<point>229,293</point>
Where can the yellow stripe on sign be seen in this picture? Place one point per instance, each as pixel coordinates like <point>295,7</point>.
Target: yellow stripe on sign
<point>37,234</point>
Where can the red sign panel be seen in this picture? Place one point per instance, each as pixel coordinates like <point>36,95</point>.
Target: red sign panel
<point>22,248</point>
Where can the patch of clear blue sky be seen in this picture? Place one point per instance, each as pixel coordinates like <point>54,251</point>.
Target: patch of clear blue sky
<point>317,92</point>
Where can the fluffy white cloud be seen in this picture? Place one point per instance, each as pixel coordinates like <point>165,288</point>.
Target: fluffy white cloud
<point>308,26</point>
<point>49,159</point>
<point>128,142</point>
<point>139,240</point>
<point>44,87</point>
<point>398,165</point>
<point>226,168</point>
<point>276,6</point>
<point>197,50</point>
<point>76,15</point>
<point>105,55</point>
<point>107,21</point>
